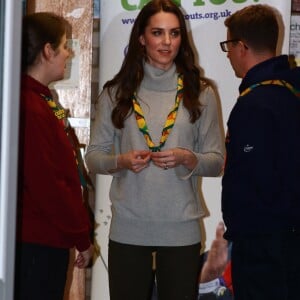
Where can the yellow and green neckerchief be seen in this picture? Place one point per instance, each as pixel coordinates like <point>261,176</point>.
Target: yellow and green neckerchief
<point>170,121</point>
<point>58,111</point>
<point>60,114</point>
<point>274,82</point>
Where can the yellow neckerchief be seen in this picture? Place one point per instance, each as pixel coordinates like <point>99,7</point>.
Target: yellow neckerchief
<point>170,121</point>
<point>60,114</point>
<point>274,82</point>
<point>58,111</point>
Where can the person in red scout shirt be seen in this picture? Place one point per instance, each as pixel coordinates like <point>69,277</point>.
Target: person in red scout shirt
<point>51,216</point>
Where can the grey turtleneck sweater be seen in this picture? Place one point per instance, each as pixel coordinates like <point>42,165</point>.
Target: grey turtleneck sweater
<point>156,207</point>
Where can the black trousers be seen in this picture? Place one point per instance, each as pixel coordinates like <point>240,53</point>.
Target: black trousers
<point>40,272</point>
<point>267,267</point>
<point>131,274</point>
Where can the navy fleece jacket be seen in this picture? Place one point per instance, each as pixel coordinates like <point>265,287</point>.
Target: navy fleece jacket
<point>261,183</point>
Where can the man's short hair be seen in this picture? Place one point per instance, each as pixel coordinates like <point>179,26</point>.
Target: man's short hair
<point>255,25</point>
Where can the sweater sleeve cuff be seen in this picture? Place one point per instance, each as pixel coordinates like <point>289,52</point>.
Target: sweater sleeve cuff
<point>181,171</point>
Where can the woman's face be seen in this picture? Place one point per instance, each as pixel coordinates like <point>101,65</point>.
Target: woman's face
<point>161,39</point>
<point>59,59</point>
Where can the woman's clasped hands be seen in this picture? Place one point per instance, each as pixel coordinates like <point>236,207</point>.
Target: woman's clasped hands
<point>137,160</point>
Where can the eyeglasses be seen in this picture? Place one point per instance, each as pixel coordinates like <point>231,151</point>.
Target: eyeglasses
<point>224,45</point>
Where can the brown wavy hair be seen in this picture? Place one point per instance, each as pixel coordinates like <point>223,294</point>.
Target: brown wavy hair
<point>131,73</point>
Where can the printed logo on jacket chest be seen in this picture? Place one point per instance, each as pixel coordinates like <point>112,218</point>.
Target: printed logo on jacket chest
<point>248,148</point>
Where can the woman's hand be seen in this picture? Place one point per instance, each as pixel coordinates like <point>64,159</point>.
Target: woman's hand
<point>135,160</point>
<point>84,258</point>
<point>172,158</point>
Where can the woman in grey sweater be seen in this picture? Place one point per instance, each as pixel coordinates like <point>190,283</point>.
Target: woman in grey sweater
<point>156,130</point>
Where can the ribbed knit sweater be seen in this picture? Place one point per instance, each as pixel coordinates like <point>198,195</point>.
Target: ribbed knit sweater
<point>156,207</point>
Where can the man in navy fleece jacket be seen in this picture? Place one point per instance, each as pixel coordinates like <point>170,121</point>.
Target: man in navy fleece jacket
<point>260,194</point>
